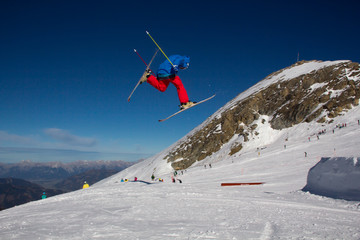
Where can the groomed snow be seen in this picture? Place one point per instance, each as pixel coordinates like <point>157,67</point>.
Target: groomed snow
<point>200,208</point>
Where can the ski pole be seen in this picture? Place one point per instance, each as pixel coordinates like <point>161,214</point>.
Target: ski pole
<point>159,48</point>
<point>140,57</point>
<point>142,60</point>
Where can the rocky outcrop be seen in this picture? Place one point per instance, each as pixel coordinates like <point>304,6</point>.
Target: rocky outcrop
<point>318,96</point>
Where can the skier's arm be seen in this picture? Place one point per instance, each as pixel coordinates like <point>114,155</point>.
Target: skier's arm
<point>181,62</point>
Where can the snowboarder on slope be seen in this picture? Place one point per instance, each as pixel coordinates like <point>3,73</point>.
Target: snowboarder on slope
<point>43,196</point>
<point>166,74</point>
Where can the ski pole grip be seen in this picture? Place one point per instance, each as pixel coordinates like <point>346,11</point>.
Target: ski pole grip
<point>159,48</point>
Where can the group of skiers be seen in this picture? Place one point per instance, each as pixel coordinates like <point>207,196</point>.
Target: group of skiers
<point>173,178</point>
<point>153,178</point>
<point>136,179</point>
<point>322,132</point>
<point>126,180</point>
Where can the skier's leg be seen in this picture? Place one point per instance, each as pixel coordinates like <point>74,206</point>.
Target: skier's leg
<point>159,85</point>
<point>183,96</point>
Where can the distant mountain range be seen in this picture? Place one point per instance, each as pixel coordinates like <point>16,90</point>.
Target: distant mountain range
<point>26,181</point>
<point>15,192</point>
<point>92,176</point>
<point>48,174</point>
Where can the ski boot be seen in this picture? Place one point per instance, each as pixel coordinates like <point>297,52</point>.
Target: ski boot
<point>145,76</point>
<point>186,105</point>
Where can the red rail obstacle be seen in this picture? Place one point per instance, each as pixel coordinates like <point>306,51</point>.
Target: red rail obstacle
<point>241,184</point>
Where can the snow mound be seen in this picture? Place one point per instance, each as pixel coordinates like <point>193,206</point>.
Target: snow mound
<point>337,177</point>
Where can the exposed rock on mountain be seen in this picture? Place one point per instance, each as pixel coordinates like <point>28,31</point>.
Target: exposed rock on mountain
<point>305,92</point>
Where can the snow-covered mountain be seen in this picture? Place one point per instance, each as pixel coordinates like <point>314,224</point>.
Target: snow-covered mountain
<point>272,111</point>
<point>55,171</point>
<point>272,133</point>
<point>70,167</point>
<point>304,92</point>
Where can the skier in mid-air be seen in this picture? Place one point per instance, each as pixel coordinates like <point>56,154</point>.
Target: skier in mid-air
<point>166,74</point>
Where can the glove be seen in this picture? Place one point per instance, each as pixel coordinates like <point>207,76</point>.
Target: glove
<point>176,68</point>
<point>148,73</point>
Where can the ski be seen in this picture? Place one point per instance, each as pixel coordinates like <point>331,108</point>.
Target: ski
<point>202,101</point>
<point>147,68</point>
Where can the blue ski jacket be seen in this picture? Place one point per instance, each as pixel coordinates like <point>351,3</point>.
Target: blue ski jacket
<point>167,71</point>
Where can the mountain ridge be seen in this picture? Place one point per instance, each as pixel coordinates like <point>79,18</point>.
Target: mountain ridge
<point>53,174</point>
<point>285,96</point>
<point>14,192</point>
<point>67,169</point>
<point>227,133</point>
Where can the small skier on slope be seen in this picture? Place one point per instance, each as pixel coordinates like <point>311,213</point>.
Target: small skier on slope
<point>166,74</point>
<point>86,185</point>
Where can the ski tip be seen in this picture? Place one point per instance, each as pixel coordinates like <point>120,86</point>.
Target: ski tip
<point>147,32</point>
<point>134,50</point>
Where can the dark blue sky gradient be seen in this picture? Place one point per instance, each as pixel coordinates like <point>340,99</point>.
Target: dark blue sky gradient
<point>70,65</point>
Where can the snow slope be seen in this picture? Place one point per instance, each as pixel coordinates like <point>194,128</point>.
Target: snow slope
<point>199,208</point>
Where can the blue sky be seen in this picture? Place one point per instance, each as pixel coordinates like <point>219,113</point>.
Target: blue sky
<point>67,67</point>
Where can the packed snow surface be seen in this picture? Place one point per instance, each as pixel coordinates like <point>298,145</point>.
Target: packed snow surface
<point>199,207</point>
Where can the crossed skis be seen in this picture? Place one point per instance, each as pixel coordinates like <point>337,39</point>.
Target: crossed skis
<point>146,72</point>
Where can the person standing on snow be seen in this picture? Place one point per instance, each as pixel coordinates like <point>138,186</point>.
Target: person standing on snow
<point>86,185</point>
<point>166,74</point>
<point>43,196</point>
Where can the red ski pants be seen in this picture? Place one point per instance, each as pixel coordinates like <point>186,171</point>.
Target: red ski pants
<point>162,85</point>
